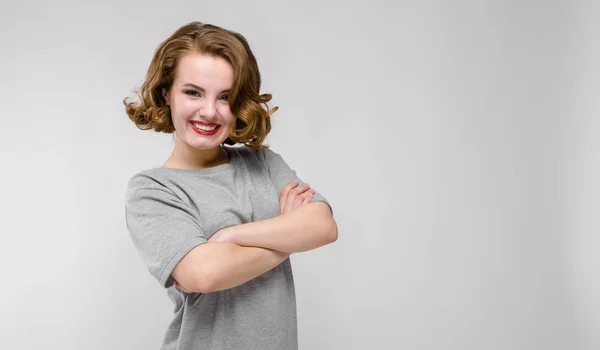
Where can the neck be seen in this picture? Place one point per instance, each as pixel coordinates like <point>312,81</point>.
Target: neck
<point>187,157</point>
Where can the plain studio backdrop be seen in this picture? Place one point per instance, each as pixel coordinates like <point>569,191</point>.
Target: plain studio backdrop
<point>456,140</point>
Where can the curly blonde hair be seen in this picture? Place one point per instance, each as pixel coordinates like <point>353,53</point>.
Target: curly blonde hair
<point>253,122</point>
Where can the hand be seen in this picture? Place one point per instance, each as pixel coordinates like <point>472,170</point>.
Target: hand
<point>294,196</point>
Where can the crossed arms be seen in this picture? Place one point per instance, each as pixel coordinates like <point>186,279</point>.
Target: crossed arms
<point>237,254</point>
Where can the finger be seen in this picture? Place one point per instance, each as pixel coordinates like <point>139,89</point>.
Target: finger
<point>299,200</point>
<point>294,192</point>
<point>299,190</point>
<point>302,196</point>
<point>284,194</point>
<point>303,188</point>
<point>308,196</point>
<point>308,199</point>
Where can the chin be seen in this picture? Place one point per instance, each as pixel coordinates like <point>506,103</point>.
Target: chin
<point>205,145</point>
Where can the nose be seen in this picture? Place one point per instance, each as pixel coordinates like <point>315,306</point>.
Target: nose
<point>208,109</point>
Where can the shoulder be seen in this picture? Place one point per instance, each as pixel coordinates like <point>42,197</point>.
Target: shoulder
<point>255,154</point>
<point>147,179</point>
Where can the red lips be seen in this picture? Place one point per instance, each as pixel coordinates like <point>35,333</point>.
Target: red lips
<point>203,123</point>
<point>204,132</point>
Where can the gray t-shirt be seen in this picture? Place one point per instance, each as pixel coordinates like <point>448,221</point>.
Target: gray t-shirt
<point>170,211</point>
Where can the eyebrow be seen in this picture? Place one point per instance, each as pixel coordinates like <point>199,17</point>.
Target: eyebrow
<point>199,87</point>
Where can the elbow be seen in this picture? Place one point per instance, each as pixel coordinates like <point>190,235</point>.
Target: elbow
<point>199,270</point>
<point>199,284</point>
<point>332,232</point>
<point>205,281</point>
<point>213,284</point>
<point>203,286</point>
<point>207,286</point>
<point>329,227</point>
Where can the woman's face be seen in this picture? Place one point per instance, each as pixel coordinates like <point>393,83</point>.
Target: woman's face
<point>198,100</point>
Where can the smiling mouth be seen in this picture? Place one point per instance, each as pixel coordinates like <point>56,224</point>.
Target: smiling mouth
<point>205,130</point>
<point>205,127</point>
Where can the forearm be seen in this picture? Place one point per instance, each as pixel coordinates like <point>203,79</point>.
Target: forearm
<point>308,227</point>
<point>217,266</point>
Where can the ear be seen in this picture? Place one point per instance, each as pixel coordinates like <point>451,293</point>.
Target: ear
<point>165,96</point>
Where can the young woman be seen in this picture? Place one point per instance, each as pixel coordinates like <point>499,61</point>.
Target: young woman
<point>216,224</point>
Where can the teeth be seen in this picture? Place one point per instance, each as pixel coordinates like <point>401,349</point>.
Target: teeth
<point>205,128</point>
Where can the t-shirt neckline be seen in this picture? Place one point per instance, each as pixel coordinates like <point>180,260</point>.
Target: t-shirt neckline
<point>214,169</point>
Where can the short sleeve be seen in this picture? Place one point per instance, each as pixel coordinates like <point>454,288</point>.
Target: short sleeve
<point>281,174</point>
<point>161,225</point>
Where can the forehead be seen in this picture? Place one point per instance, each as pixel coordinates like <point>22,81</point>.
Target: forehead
<point>210,72</point>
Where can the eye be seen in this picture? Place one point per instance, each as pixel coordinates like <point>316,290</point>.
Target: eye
<point>226,97</point>
<point>191,93</point>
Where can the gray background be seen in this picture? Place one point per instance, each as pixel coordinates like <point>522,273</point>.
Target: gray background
<point>457,141</point>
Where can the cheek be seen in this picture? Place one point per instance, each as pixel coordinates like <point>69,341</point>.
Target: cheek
<point>183,110</point>
<point>226,114</point>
